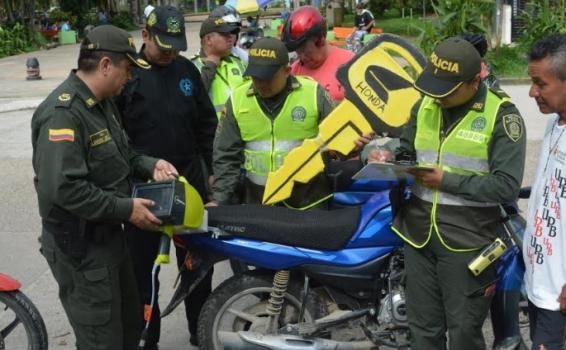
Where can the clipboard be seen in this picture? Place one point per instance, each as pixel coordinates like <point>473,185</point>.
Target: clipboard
<point>388,171</point>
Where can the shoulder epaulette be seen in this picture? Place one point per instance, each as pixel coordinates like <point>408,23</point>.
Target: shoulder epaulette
<point>499,92</point>
<point>64,99</point>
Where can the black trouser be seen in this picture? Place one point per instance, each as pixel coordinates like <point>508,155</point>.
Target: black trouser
<point>443,295</point>
<point>548,328</point>
<point>143,246</point>
<point>97,292</point>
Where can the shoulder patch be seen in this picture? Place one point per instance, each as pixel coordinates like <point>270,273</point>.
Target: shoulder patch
<point>64,97</point>
<point>513,126</point>
<point>64,100</point>
<point>56,135</point>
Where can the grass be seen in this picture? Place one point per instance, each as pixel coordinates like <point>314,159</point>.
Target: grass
<point>406,27</point>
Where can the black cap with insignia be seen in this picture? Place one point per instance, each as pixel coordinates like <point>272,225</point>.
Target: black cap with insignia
<point>452,62</point>
<point>113,39</point>
<point>266,57</point>
<point>217,25</point>
<point>167,26</point>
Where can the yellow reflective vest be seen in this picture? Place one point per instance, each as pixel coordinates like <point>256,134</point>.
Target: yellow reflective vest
<point>462,150</point>
<point>268,140</point>
<point>229,76</point>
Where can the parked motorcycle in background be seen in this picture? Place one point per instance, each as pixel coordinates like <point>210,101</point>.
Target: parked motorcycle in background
<point>19,319</point>
<point>248,36</point>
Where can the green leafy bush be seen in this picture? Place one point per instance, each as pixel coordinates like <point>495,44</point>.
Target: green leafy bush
<point>378,7</point>
<point>123,20</point>
<point>59,15</point>
<point>392,13</point>
<point>16,39</point>
<point>454,17</point>
<point>540,19</point>
<point>508,61</point>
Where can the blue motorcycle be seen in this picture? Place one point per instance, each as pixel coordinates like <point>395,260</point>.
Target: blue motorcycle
<point>323,279</point>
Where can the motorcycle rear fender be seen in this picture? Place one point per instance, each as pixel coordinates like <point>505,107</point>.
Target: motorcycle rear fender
<point>8,284</point>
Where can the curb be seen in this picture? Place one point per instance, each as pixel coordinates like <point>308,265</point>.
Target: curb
<point>21,105</point>
<point>515,81</point>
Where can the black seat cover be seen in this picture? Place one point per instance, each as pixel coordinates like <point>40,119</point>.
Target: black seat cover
<point>316,229</point>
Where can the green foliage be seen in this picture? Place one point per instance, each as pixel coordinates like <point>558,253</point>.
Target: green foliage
<point>402,26</point>
<point>540,19</point>
<point>417,5</point>
<point>123,20</point>
<point>378,7</point>
<point>392,13</point>
<point>428,37</point>
<point>455,17</point>
<point>15,40</point>
<point>509,62</point>
<point>74,7</point>
<point>59,15</point>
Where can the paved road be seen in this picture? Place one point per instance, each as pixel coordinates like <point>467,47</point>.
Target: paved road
<point>19,221</point>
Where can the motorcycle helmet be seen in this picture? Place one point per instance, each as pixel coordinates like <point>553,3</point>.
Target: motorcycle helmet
<point>304,23</point>
<point>228,14</point>
<point>478,40</point>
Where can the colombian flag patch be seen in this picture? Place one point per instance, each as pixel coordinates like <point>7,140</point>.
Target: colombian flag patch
<point>56,135</point>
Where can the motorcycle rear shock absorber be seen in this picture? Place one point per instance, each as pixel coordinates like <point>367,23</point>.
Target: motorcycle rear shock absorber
<point>276,299</point>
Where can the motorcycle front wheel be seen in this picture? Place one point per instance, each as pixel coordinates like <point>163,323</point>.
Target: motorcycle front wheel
<point>19,320</point>
<point>239,304</point>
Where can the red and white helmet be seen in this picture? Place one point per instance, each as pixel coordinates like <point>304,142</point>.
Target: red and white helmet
<point>304,23</point>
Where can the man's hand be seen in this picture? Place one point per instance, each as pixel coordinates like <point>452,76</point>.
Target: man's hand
<point>429,178</point>
<point>164,171</point>
<point>211,204</point>
<point>562,300</point>
<point>142,217</point>
<point>364,140</point>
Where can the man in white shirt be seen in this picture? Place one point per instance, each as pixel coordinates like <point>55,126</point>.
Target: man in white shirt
<point>544,246</point>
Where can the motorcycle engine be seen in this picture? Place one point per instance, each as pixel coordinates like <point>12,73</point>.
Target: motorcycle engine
<point>393,309</point>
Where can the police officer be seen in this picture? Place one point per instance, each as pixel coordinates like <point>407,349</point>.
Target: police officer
<point>265,119</point>
<point>82,163</point>
<point>221,71</point>
<point>231,16</point>
<point>167,114</point>
<point>473,138</point>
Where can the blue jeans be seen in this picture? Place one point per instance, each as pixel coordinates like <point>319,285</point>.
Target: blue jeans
<point>355,39</point>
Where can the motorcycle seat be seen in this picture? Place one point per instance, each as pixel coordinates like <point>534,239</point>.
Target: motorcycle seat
<point>315,229</point>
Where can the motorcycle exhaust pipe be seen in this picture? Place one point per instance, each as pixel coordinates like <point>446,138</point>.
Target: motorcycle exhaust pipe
<point>233,341</point>
<point>257,341</point>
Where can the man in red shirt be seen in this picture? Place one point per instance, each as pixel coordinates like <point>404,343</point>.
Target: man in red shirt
<point>305,33</point>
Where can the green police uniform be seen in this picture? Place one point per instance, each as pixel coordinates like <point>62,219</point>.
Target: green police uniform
<point>480,146</point>
<point>222,79</point>
<point>256,133</point>
<point>83,166</point>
